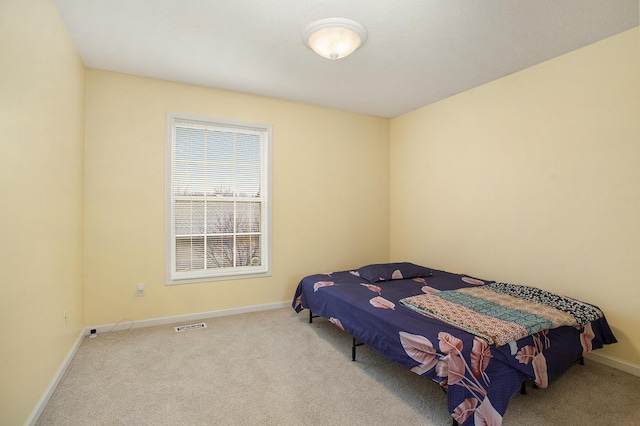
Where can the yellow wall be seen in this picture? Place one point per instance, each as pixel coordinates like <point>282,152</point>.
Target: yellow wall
<point>41,188</point>
<point>330,196</point>
<point>532,179</point>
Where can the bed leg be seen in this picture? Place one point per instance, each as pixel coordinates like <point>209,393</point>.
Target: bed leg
<point>310,316</point>
<point>455,423</point>
<point>353,349</point>
<point>523,388</point>
<point>581,360</point>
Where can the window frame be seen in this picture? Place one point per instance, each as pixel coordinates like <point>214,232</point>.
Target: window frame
<point>173,277</point>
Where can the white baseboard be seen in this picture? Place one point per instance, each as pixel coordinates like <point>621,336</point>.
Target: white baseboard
<point>614,362</point>
<point>46,396</point>
<point>126,324</point>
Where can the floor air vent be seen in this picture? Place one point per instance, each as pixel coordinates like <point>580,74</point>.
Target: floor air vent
<point>190,327</point>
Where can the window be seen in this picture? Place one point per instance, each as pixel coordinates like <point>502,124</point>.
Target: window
<point>218,210</point>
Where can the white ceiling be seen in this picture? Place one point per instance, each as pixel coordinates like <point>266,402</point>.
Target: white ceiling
<point>418,51</point>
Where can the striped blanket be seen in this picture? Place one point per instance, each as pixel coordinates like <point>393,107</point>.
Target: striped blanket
<point>501,312</point>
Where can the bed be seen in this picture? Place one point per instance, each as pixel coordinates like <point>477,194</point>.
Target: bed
<point>389,307</point>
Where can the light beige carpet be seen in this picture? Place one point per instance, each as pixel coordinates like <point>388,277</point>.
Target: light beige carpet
<point>273,368</point>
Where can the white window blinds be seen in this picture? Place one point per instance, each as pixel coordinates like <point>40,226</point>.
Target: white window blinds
<point>219,209</point>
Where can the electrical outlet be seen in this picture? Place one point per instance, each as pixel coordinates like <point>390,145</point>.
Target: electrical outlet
<point>65,319</point>
<point>140,288</point>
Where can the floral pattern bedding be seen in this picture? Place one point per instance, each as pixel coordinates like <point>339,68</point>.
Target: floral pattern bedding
<point>480,379</point>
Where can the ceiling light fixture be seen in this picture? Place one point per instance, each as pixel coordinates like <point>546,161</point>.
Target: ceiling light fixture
<point>334,38</point>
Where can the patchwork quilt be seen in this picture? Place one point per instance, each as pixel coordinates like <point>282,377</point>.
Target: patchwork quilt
<point>502,312</point>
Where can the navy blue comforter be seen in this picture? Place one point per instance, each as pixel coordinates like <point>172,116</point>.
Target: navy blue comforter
<point>480,379</point>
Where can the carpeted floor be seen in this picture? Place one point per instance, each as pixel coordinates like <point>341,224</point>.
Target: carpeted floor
<point>273,368</point>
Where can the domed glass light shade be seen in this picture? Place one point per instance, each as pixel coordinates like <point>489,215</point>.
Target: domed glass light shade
<point>334,38</point>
